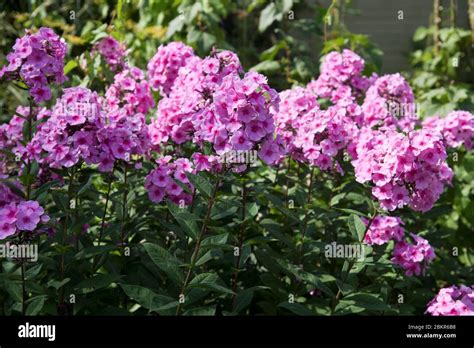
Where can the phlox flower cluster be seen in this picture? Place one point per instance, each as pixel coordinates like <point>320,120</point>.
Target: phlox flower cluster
<point>123,131</point>
<point>121,137</point>
<point>113,52</point>
<point>11,136</point>
<point>130,91</point>
<point>389,101</point>
<point>211,102</point>
<point>413,257</point>
<point>294,104</point>
<point>164,66</point>
<point>20,216</point>
<point>456,129</point>
<point>38,61</point>
<point>191,91</point>
<point>403,169</point>
<point>453,300</point>
<point>383,229</point>
<point>164,182</point>
<point>341,77</point>
<point>240,117</point>
<point>70,134</point>
<point>322,135</point>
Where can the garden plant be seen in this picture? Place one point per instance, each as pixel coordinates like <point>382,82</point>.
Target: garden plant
<point>152,162</point>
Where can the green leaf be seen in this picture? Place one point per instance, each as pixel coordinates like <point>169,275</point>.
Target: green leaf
<point>367,301</point>
<point>86,186</point>
<point>35,305</point>
<point>268,15</point>
<point>267,66</point>
<point>92,251</point>
<point>223,209</point>
<point>242,300</point>
<point>251,209</point>
<point>210,281</point>
<point>420,34</point>
<point>57,284</point>
<point>270,53</point>
<point>201,311</point>
<point>201,184</point>
<point>69,66</point>
<point>97,282</point>
<point>275,229</point>
<point>33,271</point>
<point>213,287</point>
<point>13,289</point>
<point>148,298</point>
<point>165,261</point>
<point>215,241</point>
<point>44,188</point>
<point>296,308</point>
<point>176,25</point>
<point>185,219</point>
<point>203,259</point>
<point>357,227</point>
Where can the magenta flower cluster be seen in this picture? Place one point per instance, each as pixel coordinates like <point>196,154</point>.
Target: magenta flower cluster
<point>168,179</point>
<point>70,134</point>
<point>22,216</point>
<point>456,129</point>
<point>130,92</point>
<point>389,101</point>
<point>413,258</point>
<point>294,104</point>
<point>11,136</point>
<point>113,52</point>
<point>240,117</point>
<point>453,300</point>
<point>341,78</point>
<point>323,135</point>
<point>164,66</point>
<point>383,229</point>
<point>163,181</point>
<point>210,102</point>
<point>191,91</point>
<point>403,169</point>
<point>37,60</point>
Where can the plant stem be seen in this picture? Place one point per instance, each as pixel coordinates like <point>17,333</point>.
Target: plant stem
<point>23,290</point>
<point>107,198</point>
<point>436,22</point>
<point>239,245</point>
<point>104,215</point>
<point>339,292</point>
<point>276,174</point>
<point>306,213</point>
<point>288,170</point>
<point>452,12</point>
<point>28,195</point>
<point>193,199</point>
<point>124,207</point>
<point>72,197</point>
<point>198,242</point>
